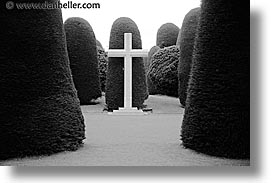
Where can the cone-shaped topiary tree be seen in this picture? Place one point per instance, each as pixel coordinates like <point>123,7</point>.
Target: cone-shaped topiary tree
<point>151,89</point>
<point>167,35</point>
<point>187,39</point>
<point>163,71</point>
<point>81,44</point>
<point>216,119</point>
<point>40,111</point>
<point>115,70</point>
<point>102,58</point>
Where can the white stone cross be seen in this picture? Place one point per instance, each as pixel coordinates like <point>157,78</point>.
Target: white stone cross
<point>127,53</point>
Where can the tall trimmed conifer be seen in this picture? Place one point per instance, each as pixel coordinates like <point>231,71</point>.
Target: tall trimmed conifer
<point>81,44</point>
<point>187,39</point>
<point>167,35</point>
<point>216,119</point>
<point>40,111</point>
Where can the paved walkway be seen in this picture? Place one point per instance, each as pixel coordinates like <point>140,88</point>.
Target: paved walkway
<point>150,140</point>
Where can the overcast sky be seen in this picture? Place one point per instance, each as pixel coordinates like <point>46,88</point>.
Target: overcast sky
<point>149,15</point>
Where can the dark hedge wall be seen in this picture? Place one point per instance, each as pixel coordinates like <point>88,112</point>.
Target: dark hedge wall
<point>151,89</point>
<point>187,38</point>
<point>163,71</point>
<point>81,44</point>
<point>167,35</point>
<point>216,119</point>
<point>40,112</point>
<point>115,72</point>
<point>102,58</point>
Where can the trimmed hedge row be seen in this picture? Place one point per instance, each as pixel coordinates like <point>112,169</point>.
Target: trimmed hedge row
<point>187,39</point>
<point>81,45</point>
<point>216,120</point>
<point>40,111</point>
<point>163,71</point>
<point>167,35</point>
<point>115,70</point>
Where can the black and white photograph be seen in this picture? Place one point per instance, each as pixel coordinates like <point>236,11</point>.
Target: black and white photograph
<point>125,83</point>
<point>137,91</point>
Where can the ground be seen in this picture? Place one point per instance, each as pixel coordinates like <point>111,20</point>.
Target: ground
<point>149,140</point>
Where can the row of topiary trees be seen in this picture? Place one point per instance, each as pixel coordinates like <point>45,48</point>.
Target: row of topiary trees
<point>212,54</point>
<point>44,88</point>
<point>46,81</point>
<point>90,65</point>
<point>167,67</point>
<point>50,76</point>
<point>162,77</point>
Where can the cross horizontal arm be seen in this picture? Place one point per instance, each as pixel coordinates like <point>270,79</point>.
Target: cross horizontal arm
<point>116,53</point>
<point>139,53</point>
<point>123,53</point>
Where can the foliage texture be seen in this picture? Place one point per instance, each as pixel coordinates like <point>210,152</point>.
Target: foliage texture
<point>81,45</point>
<point>102,58</point>
<point>151,89</point>
<point>216,120</point>
<point>40,111</point>
<point>167,35</point>
<point>187,39</point>
<point>163,71</point>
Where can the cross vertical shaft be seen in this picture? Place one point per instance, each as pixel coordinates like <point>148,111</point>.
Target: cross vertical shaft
<point>128,71</point>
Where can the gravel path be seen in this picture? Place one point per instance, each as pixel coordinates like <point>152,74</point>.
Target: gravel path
<point>149,140</point>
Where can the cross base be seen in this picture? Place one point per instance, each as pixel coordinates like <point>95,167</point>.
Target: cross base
<point>127,111</point>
